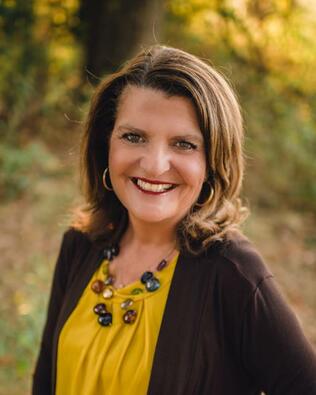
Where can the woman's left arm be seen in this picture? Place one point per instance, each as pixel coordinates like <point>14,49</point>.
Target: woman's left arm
<point>275,351</point>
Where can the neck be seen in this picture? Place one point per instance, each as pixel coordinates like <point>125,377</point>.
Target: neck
<point>149,235</point>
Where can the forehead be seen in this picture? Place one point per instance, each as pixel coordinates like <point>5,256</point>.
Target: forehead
<point>150,109</point>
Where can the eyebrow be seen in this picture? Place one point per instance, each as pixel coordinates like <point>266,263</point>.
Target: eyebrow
<point>189,136</point>
<point>131,128</point>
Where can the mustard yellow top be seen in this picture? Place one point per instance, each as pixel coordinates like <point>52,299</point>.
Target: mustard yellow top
<point>92,359</point>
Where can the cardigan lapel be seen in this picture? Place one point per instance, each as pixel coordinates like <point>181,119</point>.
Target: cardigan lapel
<point>76,288</point>
<point>179,332</point>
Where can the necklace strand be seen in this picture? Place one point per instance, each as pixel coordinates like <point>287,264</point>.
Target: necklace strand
<point>106,288</point>
<point>165,258</point>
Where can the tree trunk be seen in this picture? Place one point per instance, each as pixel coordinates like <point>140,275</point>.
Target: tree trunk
<point>116,29</point>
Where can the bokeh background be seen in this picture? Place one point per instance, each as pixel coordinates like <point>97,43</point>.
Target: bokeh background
<point>53,54</point>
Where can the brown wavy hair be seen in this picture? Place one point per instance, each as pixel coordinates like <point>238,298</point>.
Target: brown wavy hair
<point>176,73</point>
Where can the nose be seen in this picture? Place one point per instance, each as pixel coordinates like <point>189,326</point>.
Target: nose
<point>155,161</point>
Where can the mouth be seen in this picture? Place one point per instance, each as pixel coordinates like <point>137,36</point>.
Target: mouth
<point>152,186</point>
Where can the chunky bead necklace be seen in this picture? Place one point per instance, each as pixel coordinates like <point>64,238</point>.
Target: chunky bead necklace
<point>106,288</point>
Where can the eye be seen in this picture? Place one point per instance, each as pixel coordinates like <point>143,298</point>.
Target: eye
<point>185,145</point>
<point>133,138</point>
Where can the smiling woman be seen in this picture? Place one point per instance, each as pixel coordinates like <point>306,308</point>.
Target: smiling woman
<point>156,290</point>
<point>211,123</point>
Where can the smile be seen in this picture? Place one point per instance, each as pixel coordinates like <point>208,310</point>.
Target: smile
<point>152,186</point>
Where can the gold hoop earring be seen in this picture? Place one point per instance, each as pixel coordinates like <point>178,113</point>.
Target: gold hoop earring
<point>106,186</point>
<point>210,197</point>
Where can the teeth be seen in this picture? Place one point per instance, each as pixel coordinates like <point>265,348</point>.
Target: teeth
<point>153,187</point>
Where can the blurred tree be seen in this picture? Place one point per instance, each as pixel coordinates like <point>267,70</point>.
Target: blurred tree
<point>267,49</point>
<point>36,49</point>
<point>36,78</point>
<point>112,30</point>
<point>20,56</point>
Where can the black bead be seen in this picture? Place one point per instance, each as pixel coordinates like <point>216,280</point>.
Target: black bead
<point>100,309</point>
<point>152,284</point>
<point>146,276</point>
<point>105,320</point>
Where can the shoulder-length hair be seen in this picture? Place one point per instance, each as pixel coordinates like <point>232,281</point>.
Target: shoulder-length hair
<point>178,73</point>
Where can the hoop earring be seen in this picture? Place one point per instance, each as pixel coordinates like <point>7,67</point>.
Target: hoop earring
<point>210,197</point>
<point>106,186</point>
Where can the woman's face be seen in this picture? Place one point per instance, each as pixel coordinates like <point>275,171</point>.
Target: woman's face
<point>157,162</point>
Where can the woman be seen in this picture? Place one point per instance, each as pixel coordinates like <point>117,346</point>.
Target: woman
<point>155,289</point>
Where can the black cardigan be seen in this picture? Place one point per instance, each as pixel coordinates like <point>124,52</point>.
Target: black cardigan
<point>225,330</point>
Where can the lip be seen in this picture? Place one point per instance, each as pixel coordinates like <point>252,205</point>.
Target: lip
<point>134,179</point>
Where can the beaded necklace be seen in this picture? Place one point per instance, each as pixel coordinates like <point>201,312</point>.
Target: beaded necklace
<point>106,288</point>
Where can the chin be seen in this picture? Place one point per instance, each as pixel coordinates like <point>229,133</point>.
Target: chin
<point>154,217</point>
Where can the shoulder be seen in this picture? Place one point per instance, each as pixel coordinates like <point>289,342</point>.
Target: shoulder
<point>77,249</point>
<point>73,243</point>
<point>242,256</point>
<point>238,263</point>
<point>75,239</point>
<point>75,246</point>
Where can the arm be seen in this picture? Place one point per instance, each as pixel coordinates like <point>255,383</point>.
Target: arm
<point>43,368</point>
<point>274,350</point>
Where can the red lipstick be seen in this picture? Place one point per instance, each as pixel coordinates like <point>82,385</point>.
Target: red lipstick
<point>134,180</point>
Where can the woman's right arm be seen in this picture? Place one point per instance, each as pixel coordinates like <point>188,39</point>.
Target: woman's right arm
<point>43,367</point>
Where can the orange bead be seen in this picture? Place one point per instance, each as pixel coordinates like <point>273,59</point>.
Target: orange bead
<point>97,286</point>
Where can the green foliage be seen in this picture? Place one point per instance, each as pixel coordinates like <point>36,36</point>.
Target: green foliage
<point>268,50</point>
<point>23,60</point>
<point>20,168</point>
<point>38,78</point>
<point>24,313</point>
<point>31,230</point>
<point>38,56</point>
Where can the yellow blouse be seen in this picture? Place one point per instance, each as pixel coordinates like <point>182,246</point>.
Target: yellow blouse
<point>117,359</point>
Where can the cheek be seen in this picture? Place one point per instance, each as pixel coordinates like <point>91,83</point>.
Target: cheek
<point>193,172</point>
<point>118,159</point>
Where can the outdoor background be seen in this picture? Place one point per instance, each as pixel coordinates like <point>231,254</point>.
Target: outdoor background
<point>53,54</point>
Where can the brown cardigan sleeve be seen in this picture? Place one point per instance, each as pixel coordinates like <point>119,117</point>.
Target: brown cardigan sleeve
<point>43,368</point>
<point>260,328</point>
<point>275,351</point>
